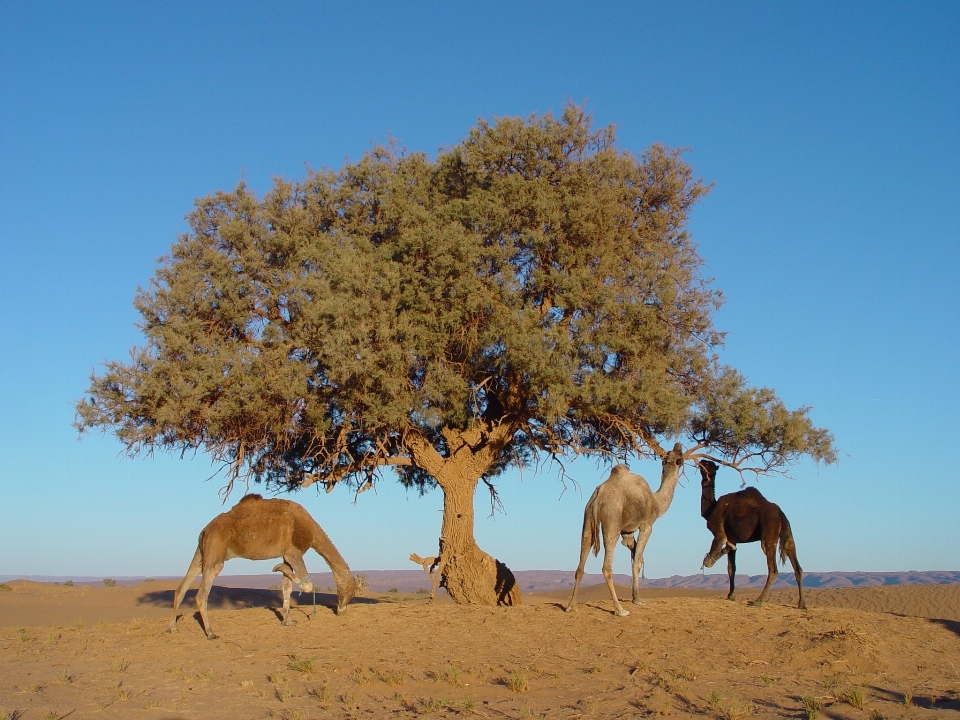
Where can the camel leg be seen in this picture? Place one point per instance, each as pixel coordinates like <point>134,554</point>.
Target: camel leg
<point>209,575</point>
<point>731,571</point>
<point>797,573</point>
<point>295,560</point>
<point>585,543</point>
<point>609,546</point>
<point>770,550</point>
<point>191,575</point>
<point>286,586</point>
<point>637,561</point>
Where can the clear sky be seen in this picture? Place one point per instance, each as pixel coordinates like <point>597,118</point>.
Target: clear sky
<point>831,132</point>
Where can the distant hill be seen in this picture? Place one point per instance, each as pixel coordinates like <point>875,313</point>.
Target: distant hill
<point>547,580</point>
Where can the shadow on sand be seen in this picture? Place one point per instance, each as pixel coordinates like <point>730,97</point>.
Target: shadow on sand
<point>224,598</point>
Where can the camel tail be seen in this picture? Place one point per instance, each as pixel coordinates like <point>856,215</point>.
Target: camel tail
<point>591,523</point>
<point>786,538</point>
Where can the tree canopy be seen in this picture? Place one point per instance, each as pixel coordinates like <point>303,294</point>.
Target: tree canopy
<point>532,290</point>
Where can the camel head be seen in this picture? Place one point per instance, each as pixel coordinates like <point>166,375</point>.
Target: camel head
<point>674,457</point>
<point>347,591</point>
<point>708,471</point>
<point>719,548</point>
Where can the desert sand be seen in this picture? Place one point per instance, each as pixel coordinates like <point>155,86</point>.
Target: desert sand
<point>96,652</point>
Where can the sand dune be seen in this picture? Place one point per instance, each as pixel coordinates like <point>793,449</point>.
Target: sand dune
<point>687,653</point>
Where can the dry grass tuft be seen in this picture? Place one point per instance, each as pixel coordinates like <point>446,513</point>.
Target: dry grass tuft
<point>322,693</point>
<point>854,698</point>
<point>517,682</point>
<point>812,706</point>
<point>302,665</point>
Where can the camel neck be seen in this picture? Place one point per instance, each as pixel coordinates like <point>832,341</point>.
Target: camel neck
<point>668,485</point>
<point>708,498</point>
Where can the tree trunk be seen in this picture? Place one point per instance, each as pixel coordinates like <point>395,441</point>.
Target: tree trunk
<point>470,575</point>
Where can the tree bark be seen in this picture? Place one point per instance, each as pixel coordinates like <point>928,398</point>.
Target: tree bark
<point>470,575</point>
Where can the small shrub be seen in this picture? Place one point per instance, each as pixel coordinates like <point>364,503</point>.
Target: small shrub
<point>25,636</point>
<point>122,693</point>
<point>302,665</point>
<point>5,588</point>
<point>468,705</point>
<point>595,669</point>
<point>517,682</point>
<point>452,676</point>
<point>737,711</point>
<point>69,583</point>
<point>714,700</point>
<point>322,693</point>
<point>422,591</point>
<point>431,705</point>
<point>907,699</point>
<point>283,694</point>
<point>120,665</point>
<point>109,582</point>
<point>360,675</point>
<point>393,590</point>
<point>854,698</point>
<point>65,677</point>
<point>362,584</point>
<point>813,706</point>
<point>393,678</point>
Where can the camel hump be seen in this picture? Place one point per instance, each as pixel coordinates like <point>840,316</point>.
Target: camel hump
<point>251,496</point>
<point>620,469</point>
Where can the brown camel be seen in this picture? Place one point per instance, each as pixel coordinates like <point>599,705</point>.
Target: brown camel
<point>623,505</point>
<point>742,517</point>
<point>259,529</point>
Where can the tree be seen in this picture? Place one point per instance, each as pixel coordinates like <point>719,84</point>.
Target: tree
<point>531,293</point>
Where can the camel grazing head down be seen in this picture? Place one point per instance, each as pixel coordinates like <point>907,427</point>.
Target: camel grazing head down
<point>259,529</point>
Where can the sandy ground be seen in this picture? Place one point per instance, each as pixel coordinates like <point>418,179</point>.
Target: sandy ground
<point>878,652</point>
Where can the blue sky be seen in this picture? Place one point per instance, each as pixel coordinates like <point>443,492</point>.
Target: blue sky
<point>831,132</point>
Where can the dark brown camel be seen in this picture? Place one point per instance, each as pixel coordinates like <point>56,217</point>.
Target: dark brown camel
<point>742,517</point>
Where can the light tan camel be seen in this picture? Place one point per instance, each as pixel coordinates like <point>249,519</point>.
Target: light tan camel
<point>259,529</point>
<point>623,505</point>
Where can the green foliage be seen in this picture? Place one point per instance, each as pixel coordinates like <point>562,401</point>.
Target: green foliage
<point>531,290</point>
<point>753,425</point>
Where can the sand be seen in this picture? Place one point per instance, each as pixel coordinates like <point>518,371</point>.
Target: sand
<point>94,652</point>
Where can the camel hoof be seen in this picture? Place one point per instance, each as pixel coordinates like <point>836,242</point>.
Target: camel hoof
<point>288,623</point>
<point>570,608</point>
<point>755,603</point>
<point>731,598</point>
<point>621,612</point>
<point>638,601</point>
<point>802,606</point>
<point>211,636</point>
